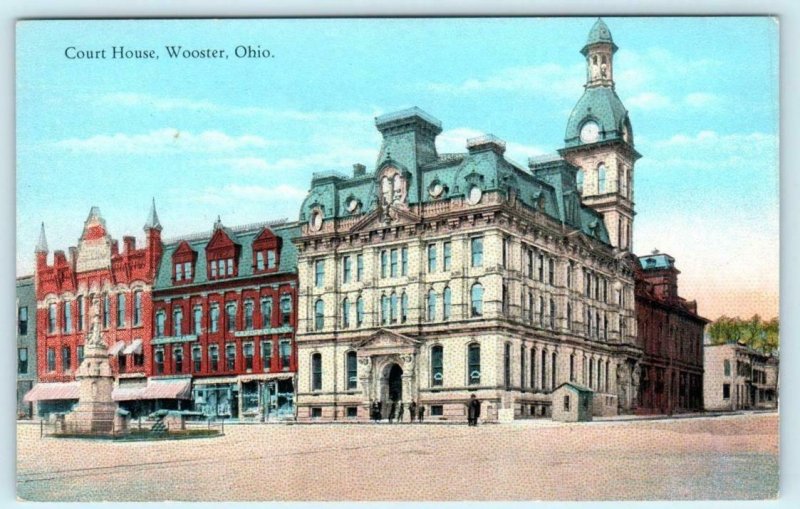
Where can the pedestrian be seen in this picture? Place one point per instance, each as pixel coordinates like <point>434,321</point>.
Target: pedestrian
<point>392,410</point>
<point>473,411</point>
<point>400,411</point>
<point>412,409</point>
<point>421,413</point>
<point>374,411</point>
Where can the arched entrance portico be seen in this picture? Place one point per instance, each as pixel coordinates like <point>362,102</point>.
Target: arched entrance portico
<point>392,384</point>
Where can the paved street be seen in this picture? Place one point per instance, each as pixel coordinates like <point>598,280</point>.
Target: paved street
<point>729,457</point>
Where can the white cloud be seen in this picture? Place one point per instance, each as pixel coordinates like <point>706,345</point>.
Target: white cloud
<point>162,140</point>
<point>128,99</point>
<point>702,100</point>
<point>649,101</point>
<point>548,79</point>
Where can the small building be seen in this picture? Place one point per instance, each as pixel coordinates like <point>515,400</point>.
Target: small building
<point>738,377</point>
<point>572,403</point>
<point>26,344</point>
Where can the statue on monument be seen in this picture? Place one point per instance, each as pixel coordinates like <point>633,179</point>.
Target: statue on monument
<point>94,338</point>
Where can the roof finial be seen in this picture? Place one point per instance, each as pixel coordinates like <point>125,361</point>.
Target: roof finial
<point>152,218</point>
<point>218,223</point>
<point>41,245</point>
<point>655,251</point>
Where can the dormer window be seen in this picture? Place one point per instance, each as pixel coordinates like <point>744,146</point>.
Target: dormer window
<point>266,251</point>
<point>183,260</point>
<point>222,253</point>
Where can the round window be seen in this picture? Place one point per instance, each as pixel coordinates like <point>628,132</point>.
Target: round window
<point>316,220</point>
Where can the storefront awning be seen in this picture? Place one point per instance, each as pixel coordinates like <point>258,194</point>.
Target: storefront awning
<point>133,348</point>
<point>53,391</point>
<point>267,376</point>
<point>117,348</point>
<point>155,389</point>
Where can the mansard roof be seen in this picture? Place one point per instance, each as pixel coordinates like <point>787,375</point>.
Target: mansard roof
<point>412,151</point>
<point>244,237</point>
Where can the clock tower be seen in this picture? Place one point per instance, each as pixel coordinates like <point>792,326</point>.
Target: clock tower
<point>599,141</point>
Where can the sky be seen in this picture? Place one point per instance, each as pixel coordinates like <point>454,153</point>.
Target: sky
<point>241,137</point>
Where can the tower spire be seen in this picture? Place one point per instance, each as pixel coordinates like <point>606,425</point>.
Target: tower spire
<point>41,245</point>
<point>599,52</point>
<point>152,218</point>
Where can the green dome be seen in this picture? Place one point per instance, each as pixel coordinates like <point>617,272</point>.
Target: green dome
<point>599,33</point>
<point>603,106</point>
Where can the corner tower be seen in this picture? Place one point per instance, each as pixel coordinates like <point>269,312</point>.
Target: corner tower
<point>599,141</point>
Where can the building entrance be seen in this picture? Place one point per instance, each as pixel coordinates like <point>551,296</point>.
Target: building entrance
<point>391,388</point>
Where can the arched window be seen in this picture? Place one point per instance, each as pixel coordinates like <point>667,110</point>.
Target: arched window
<point>431,305</point>
<point>359,311</point>
<point>601,178</point>
<point>476,300</point>
<point>345,313</point>
<point>319,315</point>
<point>159,360</point>
<point>437,366</point>
<point>384,309</point>
<point>507,366</point>
<point>554,371</point>
<point>352,370</point>
<point>544,370</point>
<point>403,307</point>
<point>177,357</point>
<point>446,303</point>
<point>316,372</point>
<point>579,180</point>
<point>474,364</point>
<point>393,308</point>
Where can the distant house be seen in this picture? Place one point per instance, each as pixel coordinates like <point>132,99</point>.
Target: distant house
<point>572,403</point>
<point>738,377</point>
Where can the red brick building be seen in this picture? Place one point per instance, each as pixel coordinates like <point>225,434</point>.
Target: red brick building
<point>671,336</point>
<point>224,317</point>
<point>122,280</point>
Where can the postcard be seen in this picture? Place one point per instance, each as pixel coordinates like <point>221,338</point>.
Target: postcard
<point>397,259</point>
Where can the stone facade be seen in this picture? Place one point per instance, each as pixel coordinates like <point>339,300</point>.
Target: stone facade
<point>739,378</point>
<point>26,343</point>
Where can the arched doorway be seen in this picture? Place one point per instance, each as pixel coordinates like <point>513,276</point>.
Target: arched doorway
<point>395,382</point>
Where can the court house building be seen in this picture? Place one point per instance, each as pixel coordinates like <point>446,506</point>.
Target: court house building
<point>431,277</point>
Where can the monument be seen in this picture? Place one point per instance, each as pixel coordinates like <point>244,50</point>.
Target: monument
<point>96,409</point>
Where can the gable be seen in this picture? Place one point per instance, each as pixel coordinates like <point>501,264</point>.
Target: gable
<point>221,241</point>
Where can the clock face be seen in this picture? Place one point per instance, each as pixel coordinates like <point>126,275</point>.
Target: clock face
<point>590,132</point>
<point>475,194</point>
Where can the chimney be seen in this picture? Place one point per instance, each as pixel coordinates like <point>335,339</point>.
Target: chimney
<point>114,247</point>
<point>130,243</point>
<point>73,257</point>
<point>359,170</point>
<point>59,258</point>
<point>486,142</point>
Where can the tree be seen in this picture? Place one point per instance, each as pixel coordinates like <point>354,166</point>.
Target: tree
<point>754,332</point>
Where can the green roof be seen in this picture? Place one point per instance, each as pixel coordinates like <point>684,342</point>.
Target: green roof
<point>603,106</point>
<point>243,236</point>
<point>657,261</point>
<point>599,34</point>
<point>409,145</point>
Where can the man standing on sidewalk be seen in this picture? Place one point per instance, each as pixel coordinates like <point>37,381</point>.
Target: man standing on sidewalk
<point>412,409</point>
<point>473,411</point>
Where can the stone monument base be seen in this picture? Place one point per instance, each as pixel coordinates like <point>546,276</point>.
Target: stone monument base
<point>91,417</point>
